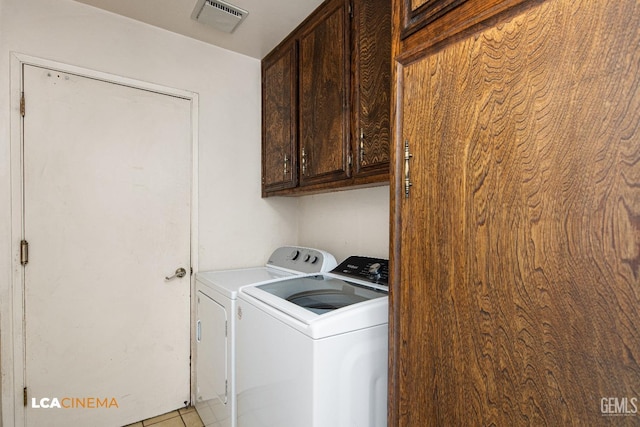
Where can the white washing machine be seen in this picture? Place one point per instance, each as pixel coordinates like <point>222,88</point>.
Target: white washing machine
<point>312,351</point>
<point>216,293</point>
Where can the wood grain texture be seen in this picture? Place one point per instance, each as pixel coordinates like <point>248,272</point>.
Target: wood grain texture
<point>516,297</point>
<point>324,96</point>
<point>372,86</point>
<point>415,4</point>
<point>416,14</point>
<point>414,31</point>
<point>279,121</point>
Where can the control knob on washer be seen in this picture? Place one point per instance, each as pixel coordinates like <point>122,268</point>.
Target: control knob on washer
<point>374,270</point>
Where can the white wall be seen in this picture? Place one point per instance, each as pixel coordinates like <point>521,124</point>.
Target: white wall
<point>353,222</point>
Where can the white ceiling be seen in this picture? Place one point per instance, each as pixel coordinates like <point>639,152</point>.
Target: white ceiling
<point>266,25</point>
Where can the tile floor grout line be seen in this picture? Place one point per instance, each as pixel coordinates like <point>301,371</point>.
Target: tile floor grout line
<point>165,419</point>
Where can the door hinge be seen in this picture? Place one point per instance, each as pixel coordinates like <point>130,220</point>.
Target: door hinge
<point>191,270</point>
<point>226,332</point>
<point>226,387</point>
<point>24,396</point>
<point>350,159</point>
<point>22,105</point>
<point>350,10</point>
<point>24,252</point>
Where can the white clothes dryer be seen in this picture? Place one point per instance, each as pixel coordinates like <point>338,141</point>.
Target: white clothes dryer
<point>216,293</point>
<point>312,351</point>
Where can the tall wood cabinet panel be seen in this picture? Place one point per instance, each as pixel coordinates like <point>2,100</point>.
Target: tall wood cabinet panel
<point>324,96</point>
<point>515,257</point>
<point>371,87</point>
<point>279,121</point>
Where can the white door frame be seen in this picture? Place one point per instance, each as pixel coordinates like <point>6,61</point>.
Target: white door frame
<point>12,367</point>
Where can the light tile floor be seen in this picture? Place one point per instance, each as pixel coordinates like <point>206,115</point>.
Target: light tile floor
<point>213,413</point>
<point>184,417</point>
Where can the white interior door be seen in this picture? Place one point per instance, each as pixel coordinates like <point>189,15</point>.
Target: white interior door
<point>107,191</point>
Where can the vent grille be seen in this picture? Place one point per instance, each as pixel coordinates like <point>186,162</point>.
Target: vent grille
<point>232,10</point>
<point>218,14</point>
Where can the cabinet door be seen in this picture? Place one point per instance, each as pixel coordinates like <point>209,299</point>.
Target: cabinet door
<point>212,341</point>
<point>517,252</point>
<point>324,96</point>
<point>371,86</point>
<point>279,119</point>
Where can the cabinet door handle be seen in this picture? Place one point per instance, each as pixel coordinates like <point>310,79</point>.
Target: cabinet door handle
<point>361,146</point>
<point>407,173</point>
<point>286,160</point>
<point>304,162</point>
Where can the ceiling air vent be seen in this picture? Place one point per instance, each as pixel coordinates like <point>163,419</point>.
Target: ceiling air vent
<point>218,14</point>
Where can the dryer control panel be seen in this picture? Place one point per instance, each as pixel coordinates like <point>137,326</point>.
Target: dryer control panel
<point>301,260</point>
<point>374,270</point>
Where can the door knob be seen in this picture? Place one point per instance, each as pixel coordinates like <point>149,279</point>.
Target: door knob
<point>181,272</point>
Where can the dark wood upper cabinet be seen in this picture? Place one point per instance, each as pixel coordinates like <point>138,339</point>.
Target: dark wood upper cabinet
<point>339,63</point>
<point>371,87</point>
<point>324,95</point>
<point>279,126</point>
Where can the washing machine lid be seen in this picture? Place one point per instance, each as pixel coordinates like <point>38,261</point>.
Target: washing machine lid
<point>321,305</point>
<point>321,294</point>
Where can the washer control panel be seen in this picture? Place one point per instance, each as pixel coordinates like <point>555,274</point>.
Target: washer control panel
<point>374,270</point>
